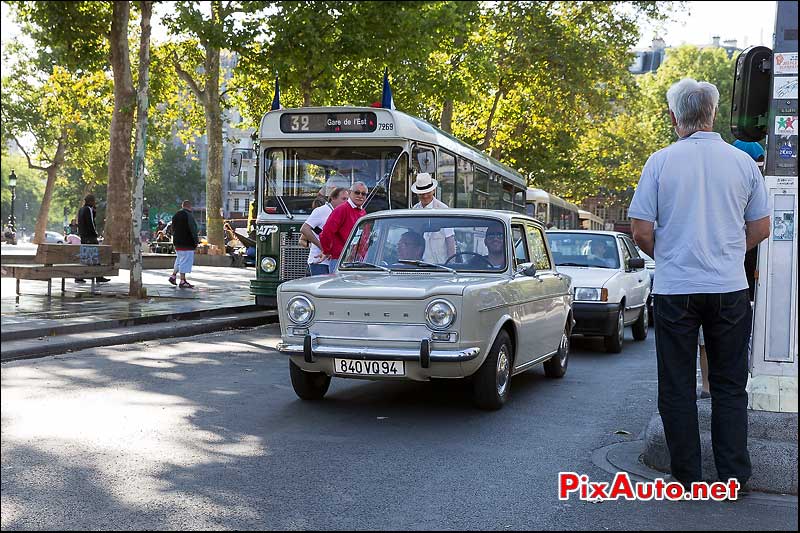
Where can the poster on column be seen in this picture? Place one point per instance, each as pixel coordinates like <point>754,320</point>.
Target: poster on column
<point>785,87</point>
<point>782,225</point>
<point>785,63</point>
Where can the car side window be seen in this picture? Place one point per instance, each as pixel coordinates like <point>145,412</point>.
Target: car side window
<point>626,254</point>
<point>538,249</point>
<point>520,246</point>
<point>631,248</point>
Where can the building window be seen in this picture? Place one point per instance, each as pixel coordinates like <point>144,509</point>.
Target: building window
<point>236,204</point>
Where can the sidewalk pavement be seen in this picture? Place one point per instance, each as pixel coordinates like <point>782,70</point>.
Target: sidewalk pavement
<point>31,320</point>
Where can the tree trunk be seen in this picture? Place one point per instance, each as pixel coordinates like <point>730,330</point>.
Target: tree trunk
<point>213,113</point>
<point>487,139</point>
<point>135,288</point>
<point>447,116</point>
<point>305,87</point>
<point>52,173</point>
<point>118,212</point>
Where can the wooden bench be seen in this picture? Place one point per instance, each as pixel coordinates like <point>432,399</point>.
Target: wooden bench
<point>68,261</point>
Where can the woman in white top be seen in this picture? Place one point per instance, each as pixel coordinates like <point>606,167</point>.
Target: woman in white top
<point>439,245</point>
<point>318,262</point>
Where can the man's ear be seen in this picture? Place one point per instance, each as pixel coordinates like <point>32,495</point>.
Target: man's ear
<point>672,118</point>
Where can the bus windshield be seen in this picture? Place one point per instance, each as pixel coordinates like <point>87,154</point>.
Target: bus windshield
<point>301,177</point>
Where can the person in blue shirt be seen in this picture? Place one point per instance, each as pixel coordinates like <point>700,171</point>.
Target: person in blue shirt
<point>699,206</point>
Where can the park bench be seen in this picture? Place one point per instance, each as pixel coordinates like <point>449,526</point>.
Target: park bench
<point>68,261</point>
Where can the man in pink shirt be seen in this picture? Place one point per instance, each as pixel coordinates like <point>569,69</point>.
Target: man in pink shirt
<point>341,221</point>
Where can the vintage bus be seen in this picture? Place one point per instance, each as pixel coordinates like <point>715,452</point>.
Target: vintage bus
<point>551,210</point>
<point>590,221</point>
<point>304,152</point>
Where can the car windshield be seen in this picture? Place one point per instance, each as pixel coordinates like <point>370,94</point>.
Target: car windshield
<point>584,250</point>
<point>429,243</point>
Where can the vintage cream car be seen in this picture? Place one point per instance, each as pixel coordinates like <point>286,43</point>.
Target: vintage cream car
<point>422,294</point>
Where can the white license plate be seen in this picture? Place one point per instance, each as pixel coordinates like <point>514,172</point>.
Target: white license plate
<point>356,367</point>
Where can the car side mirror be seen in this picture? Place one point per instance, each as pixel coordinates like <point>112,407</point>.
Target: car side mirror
<point>525,269</point>
<point>236,164</point>
<point>635,263</point>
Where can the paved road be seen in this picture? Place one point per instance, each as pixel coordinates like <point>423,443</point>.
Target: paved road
<point>207,433</point>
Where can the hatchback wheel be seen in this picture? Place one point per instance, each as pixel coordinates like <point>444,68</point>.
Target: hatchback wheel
<point>614,342</point>
<point>639,327</point>
<point>492,381</point>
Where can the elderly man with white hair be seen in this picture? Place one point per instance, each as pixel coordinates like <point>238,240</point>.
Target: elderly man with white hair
<point>708,201</point>
<point>440,245</point>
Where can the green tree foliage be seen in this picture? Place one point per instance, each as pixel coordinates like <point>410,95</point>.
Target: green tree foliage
<point>30,188</point>
<point>173,176</point>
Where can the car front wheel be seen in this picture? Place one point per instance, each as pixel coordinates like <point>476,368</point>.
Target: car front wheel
<point>308,385</point>
<point>614,342</point>
<point>492,381</point>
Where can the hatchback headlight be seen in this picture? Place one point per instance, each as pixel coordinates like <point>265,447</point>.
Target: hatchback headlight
<point>268,265</point>
<point>440,314</point>
<point>300,310</point>
<point>590,294</point>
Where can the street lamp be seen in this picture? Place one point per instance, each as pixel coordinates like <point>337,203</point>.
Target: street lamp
<point>12,182</point>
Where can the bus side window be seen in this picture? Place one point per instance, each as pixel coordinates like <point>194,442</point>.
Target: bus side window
<point>465,177</point>
<point>447,178</point>
<point>480,194</point>
<point>495,192</point>
<point>399,184</point>
<point>423,159</point>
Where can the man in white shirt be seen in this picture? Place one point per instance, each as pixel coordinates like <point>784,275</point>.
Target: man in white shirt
<point>319,263</point>
<point>440,245</point>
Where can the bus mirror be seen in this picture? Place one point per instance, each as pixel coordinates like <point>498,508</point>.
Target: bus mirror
<point>236,164</point>
<point>751,96</point>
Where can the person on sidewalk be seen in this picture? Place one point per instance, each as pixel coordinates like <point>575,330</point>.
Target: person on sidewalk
<point>340,222</point>
<point>87,230</point>
<point>184,238</point>
<point>710,203</point>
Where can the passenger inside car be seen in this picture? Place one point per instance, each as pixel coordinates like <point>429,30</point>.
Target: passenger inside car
<point>600,254</point>
<point>410,247</point>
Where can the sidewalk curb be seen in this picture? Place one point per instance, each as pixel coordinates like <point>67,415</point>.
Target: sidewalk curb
<point>125,322</point>
<point>624,457</point>
<point>111,337</point>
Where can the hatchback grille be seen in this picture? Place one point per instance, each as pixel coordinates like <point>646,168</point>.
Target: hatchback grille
<point>294,258</point>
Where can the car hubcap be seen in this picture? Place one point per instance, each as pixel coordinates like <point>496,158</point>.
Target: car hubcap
<point>503,371</point>
<point>645,317</point>
<point>621,326</point>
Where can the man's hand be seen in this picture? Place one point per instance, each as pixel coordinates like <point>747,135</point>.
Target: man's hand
<point>644,235</point>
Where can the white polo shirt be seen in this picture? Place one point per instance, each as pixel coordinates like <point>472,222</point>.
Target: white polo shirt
<point>435,242</point>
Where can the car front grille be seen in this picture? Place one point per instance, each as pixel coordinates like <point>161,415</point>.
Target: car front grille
<point>294,258</point>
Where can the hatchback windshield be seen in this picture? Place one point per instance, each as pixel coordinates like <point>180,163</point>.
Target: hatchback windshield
<point>427,243</point>
<point>584,250</point>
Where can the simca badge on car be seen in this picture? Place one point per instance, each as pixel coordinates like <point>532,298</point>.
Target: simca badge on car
<point>421,294</point>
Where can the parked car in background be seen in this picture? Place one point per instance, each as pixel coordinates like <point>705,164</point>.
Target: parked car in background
<point>611,285</point>
<point>495,307</point>
<point>53,237</point>
<point>650,266</point>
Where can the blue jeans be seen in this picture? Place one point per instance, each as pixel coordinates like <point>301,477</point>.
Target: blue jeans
<point>726,319</point>
<point>317,269</point>
<point>332,266</point>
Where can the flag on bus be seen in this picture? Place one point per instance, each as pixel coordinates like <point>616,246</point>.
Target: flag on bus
<point>276,101</point>
<point>386,99</point>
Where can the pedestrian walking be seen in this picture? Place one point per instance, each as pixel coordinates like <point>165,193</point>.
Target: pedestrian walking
<point>439,245</point>
<point>185,240</point>
<point>710,204</point>
<point>341,221</point>
<point>318,262</point>
<point>87,230</point>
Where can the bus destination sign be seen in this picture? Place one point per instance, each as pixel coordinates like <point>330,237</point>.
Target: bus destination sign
<point>329,122</point>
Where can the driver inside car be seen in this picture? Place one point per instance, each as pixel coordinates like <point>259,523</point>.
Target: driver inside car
<point>599,254</point>
<point>411,246</point>
<point>495,242</point>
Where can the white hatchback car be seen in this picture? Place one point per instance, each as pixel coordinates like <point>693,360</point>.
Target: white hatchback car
<point>53,237</point>
<point>611,284</point>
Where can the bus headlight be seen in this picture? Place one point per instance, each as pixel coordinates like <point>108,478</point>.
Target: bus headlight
<point>440,314</point>
<point>300,310</point>
<point>268,265</point>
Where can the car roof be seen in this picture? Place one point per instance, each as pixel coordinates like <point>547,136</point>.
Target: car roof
<point>589,232</point>
<point>506,216</point>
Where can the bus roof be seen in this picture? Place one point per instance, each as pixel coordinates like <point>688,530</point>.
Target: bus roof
<point>403,127</point>
<point>540,195</point>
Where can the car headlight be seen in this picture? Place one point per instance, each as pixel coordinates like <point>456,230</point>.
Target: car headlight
<point>300,310</point>
<point>268,265</point>
<point>591,294</point>
<point>440,314</point>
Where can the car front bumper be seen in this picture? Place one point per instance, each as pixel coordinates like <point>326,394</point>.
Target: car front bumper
<point>595,318</point>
